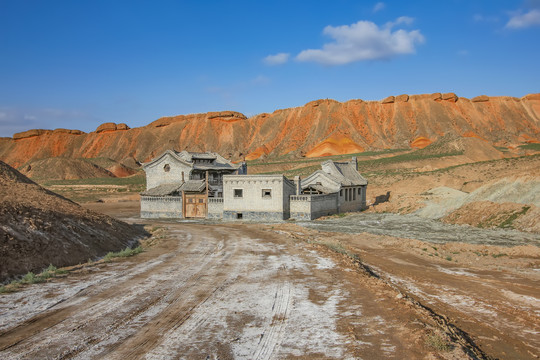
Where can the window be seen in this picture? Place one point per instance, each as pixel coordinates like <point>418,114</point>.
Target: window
<point>267,193</point>
<point>353,194</point>
<point>238,193</point>
<point>201,201</point>
<point>239,215</point>
<point>167,168</point>
<point>341,192</point>
<point>359,191</point>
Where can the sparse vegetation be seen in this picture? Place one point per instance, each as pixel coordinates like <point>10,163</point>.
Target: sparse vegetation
<point>498,255</point>
<point>502,148</point>
<point>336,247</point>
<point>93,189</point>
<point>507,223</point>
<point>127,252</point>
<point>31,278</point>
<point>137,179</point>
<point>288,160</point>
<point>412,156</point>
<point>449,258</point>
<point>478,253</point>
<point>437,342</point>
<point>531,146</point>
<point>479,163</point>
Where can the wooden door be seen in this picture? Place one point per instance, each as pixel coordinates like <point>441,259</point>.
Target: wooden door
<point>195,206</point>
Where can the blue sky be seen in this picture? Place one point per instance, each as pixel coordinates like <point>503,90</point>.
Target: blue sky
<point>76,64</point>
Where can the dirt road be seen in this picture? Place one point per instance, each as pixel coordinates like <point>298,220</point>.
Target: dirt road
<point>216,292</point>
<point>490,292</point>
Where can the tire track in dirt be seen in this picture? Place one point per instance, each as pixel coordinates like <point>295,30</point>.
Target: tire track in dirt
<point>274,331</point>
<point>100,309</point>
<point>189,296</point>
<point>222,291</point>
<point>203,315</point>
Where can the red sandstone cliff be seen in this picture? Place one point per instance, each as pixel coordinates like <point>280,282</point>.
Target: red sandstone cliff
<point>322,127</point>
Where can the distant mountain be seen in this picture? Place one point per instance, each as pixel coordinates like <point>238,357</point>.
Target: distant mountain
<point>319,128</point>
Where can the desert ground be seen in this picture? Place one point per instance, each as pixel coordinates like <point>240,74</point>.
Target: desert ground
<point>445,264</point>
<point>272,291</point>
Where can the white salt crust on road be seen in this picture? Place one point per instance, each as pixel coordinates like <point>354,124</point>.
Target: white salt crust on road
<point>187,300</point>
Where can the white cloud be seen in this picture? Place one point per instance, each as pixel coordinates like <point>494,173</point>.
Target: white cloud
<point>378,7</point>
<point>400,20</point>
<point>276,59</point>
<point>364,40</point>
<point>523,20</point>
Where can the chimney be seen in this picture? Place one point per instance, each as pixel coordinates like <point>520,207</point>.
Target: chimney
<point>355,162</point>
<point>298,185</point>
<point>183,177</point>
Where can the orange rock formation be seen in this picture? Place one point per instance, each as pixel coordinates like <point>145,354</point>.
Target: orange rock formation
<point>321,127</point>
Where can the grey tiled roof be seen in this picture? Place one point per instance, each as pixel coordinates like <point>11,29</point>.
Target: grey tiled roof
<point>206,155</point>
<point>170,189</point>
<point>193,186</point>
<point>344,173</point>
<point>162,190</point>
<point>351,176</point>
<point>323,189</point>
<point>216,166</point>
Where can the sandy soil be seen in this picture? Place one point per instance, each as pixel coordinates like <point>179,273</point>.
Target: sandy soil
<point>510,183</point>
<point>490,292</point>
<point>252,291</point>
<point>221,292</point>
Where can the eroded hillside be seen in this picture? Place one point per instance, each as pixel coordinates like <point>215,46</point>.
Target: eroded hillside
<point>39,227</point>
<point>319,128</point>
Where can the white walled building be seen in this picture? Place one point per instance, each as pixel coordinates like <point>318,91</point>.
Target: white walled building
<point>257,197</point>
<point>180,184</point>
<point>337,187</point>
<point>205,185</point>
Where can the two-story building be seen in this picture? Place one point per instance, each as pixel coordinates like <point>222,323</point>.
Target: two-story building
<point>179,184</point>
<point>205,185</point>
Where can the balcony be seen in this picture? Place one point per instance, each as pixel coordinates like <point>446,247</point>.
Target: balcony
<point>214,182</point>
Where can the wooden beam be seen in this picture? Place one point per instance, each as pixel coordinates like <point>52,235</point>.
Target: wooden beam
<point>183,204</point>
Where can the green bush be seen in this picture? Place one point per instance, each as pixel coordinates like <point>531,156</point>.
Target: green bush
<point>127,252</point>
<point>31,278</point>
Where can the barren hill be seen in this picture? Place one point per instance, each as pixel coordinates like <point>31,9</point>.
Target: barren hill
<point>58,168</point>
<point>319,128</point>
<point>39,227</point>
